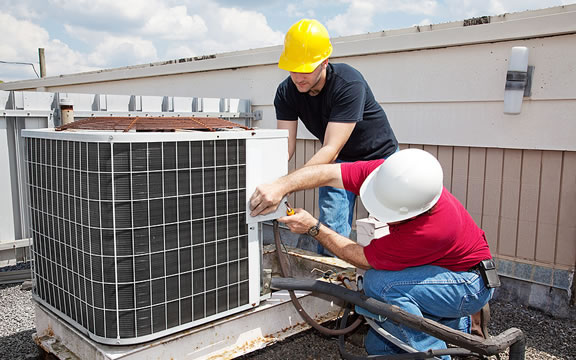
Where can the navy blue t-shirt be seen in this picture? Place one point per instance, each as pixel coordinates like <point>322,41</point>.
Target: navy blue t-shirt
<point>346,97</point>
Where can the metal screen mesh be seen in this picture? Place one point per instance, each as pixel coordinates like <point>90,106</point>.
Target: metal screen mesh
<point>133,239</point>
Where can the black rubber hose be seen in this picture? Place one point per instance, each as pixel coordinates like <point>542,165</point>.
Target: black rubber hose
<point>513,338</point>
<point>419,355</point>
<point>285,271</point>
<point>518,350</point>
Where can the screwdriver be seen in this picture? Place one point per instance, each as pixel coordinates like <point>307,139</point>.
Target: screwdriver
<point>289,210</point>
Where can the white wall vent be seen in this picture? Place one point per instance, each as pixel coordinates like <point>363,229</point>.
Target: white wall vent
<point>139,235</point>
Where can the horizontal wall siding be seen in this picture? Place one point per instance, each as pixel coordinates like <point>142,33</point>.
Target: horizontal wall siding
<point>525,200</point>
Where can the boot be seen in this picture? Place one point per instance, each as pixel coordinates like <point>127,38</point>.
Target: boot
<point>478,327</point>
<point>480,320</point>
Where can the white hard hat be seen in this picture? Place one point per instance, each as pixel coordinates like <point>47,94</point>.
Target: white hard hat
<point>407,184</point>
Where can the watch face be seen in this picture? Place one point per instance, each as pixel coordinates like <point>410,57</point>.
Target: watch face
<point>313,231</point>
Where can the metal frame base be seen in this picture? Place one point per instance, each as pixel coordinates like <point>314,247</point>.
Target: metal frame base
<point>228,337</point>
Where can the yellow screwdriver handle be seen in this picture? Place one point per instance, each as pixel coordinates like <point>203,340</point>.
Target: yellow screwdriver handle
<point>289,210</point>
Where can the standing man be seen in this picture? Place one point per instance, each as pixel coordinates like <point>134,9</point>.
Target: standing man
<point>336,105</point>
<point>435,263</point>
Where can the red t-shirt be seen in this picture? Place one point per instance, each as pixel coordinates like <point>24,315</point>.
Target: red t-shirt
<point>446,236</point>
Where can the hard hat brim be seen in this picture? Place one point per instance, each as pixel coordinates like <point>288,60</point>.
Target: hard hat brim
<point>285,64</point>
<point>381,212</point>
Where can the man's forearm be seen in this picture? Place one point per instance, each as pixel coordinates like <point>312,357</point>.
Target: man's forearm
<point>267,197</point>
<point>326,155</point>
<point>343,247</point>
<point>310,177</point>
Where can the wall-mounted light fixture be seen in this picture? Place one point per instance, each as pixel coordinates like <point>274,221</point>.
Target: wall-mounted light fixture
<point>518,80</point>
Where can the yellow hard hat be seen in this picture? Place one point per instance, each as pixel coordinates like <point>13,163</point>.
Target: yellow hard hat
<point>306,45</point>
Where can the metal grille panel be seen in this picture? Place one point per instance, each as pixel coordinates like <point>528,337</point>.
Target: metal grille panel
<point>135,239</point>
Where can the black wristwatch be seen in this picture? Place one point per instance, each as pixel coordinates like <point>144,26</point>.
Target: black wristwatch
<point>314,230</point>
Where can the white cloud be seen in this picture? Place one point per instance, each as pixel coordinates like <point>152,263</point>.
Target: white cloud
<point>463,9</point>
<point>17,32</point>
<point>112,50</point>
<point>295,10</point>
<point>179,52</point>
<point>358,18</point>
<point>233,29</point>
<point>81,35</point>
<point>60,58</point>
<point>106,9</point>
<point>423,22</point>
<point>175,24</point>
<point>116,33</point>
<point>123,50</point>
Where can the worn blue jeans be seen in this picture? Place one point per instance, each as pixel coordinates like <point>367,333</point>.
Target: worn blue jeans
<point>429,291</point>
<point>336,210</point>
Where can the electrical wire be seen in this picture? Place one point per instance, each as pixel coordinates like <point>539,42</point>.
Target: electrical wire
<point>20,63</point>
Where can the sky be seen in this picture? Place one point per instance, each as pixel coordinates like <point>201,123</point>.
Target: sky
<point>88,35</point>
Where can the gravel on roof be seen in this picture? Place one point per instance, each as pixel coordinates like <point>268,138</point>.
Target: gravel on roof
<point>547,338</point>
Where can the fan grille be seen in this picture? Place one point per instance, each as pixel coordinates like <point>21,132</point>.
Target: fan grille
<point>133,239</point>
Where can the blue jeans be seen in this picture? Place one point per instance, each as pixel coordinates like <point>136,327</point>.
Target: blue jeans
<point>336,210</point>
<point>429,291</point>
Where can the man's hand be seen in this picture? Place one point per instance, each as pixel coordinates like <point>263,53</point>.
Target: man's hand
<point>339,245</point>
<point>300,222</point>
<point>265,199</point>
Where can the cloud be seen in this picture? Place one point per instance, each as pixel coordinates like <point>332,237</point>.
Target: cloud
<point>179,52</point>
<point>59,57</point>
<point>116,51</point>
<point>107,9</point>
<point>295,10</point>
<point>232,29</point>
<point>81,35</point>
<point>463,9</point>
<point>359,15</point>
<point>356,20</point>
<point>175,24</point>
<point>423,22</point>
<point>248,28</point>
<point>16,33</point>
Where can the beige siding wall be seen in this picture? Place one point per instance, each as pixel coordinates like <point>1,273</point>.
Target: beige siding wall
<point>525,200</point>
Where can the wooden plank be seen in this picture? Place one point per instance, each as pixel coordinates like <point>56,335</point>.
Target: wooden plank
<point>361,212</point>
<point>548,206</point>
<point>300,161</point>
<point>475,193</point>
<point>528,211</point>
<point>492,197</point>
<point>445,155</point>
<point>309,194</point>
<point>510,202</point>
<point>566,245</point>
<point>460,174</point>
<point>291,168</point>
<point>404,146</point>
<point>432,149</point>
<point>317,146</point>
